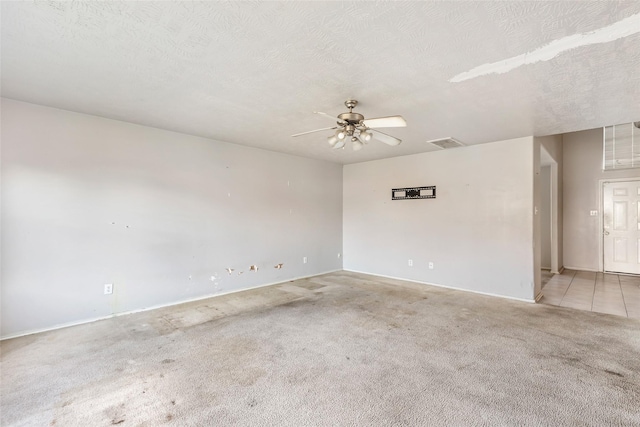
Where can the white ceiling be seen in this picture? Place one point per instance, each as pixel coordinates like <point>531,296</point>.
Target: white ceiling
<point>252,73</point>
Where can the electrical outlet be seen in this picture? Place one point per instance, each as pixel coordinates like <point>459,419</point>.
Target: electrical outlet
<point>108,288</point>
<point>304,260</point>
<point>410,263</point>
<point>430,266</point>
<point>593,213</point>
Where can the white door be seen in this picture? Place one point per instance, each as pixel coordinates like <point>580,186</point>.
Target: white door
<point>621,220</point>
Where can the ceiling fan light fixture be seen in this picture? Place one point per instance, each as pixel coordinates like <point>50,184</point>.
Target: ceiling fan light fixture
<point>332,140</point>
<point>340,143</point>
<point>341,134</point>
<point>365,136</point>
<point>357,144</point>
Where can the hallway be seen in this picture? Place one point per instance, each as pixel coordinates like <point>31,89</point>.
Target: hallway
<point>585,290</point>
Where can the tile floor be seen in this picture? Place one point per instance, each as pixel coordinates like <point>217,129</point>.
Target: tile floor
<point>605,293</point>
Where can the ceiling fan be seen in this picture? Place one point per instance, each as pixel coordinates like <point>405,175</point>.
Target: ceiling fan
<point>353,126</point>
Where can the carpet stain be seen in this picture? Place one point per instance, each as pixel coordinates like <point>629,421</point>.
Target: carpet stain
<point>512,338</point>
<point>116,413</point>
<point>253,403</point>
<point>614,373</point>
<point>169,417</point>
<point>249,376</point>
<point>165,361</point>
<point>296,303</point>
<point>9,346</point>
<point>310,286</point>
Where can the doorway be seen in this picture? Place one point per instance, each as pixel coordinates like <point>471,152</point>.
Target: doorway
<point>549,213</point>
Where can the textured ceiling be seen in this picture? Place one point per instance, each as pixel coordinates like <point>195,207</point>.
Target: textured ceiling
<point>252,73</point>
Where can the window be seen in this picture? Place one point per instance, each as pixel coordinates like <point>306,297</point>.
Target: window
<point>621,146</point>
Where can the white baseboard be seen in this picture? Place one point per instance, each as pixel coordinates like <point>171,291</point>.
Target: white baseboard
<point>447,287</point>
<point>567,267</point>
<point>155,307</point>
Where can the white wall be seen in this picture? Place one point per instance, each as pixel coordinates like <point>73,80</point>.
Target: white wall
<point>582,172</point>
<point>478,232</point>
<point>537,272</point>
<point>89,201</point>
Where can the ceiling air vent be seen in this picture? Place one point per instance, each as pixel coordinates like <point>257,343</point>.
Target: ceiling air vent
<point>445,143</point>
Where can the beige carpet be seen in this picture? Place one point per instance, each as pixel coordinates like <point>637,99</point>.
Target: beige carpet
<point>341,349</point>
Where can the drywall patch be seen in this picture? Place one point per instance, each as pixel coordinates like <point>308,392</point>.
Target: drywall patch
<point>623,28</point>
<point>215,281</point>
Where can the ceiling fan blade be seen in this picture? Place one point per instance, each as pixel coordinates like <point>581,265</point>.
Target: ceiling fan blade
<point>383,137</point>
<point>312,131</point>
<point>329,116</point>
<point>386,122</point>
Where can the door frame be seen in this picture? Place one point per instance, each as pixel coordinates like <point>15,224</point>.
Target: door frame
<point>546,160</point>
<point>601,216</point>
<point>553,194</point>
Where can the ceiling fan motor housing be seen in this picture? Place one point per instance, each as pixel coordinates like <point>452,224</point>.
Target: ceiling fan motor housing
<point>351,118</point>
<point>351,121</point>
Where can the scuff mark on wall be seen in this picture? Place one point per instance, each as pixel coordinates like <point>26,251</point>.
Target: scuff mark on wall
<point>253,268</point>
<point>623,28</point>
<point>216,283</point>
<point>230,270</point>
<point>278,266</point>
